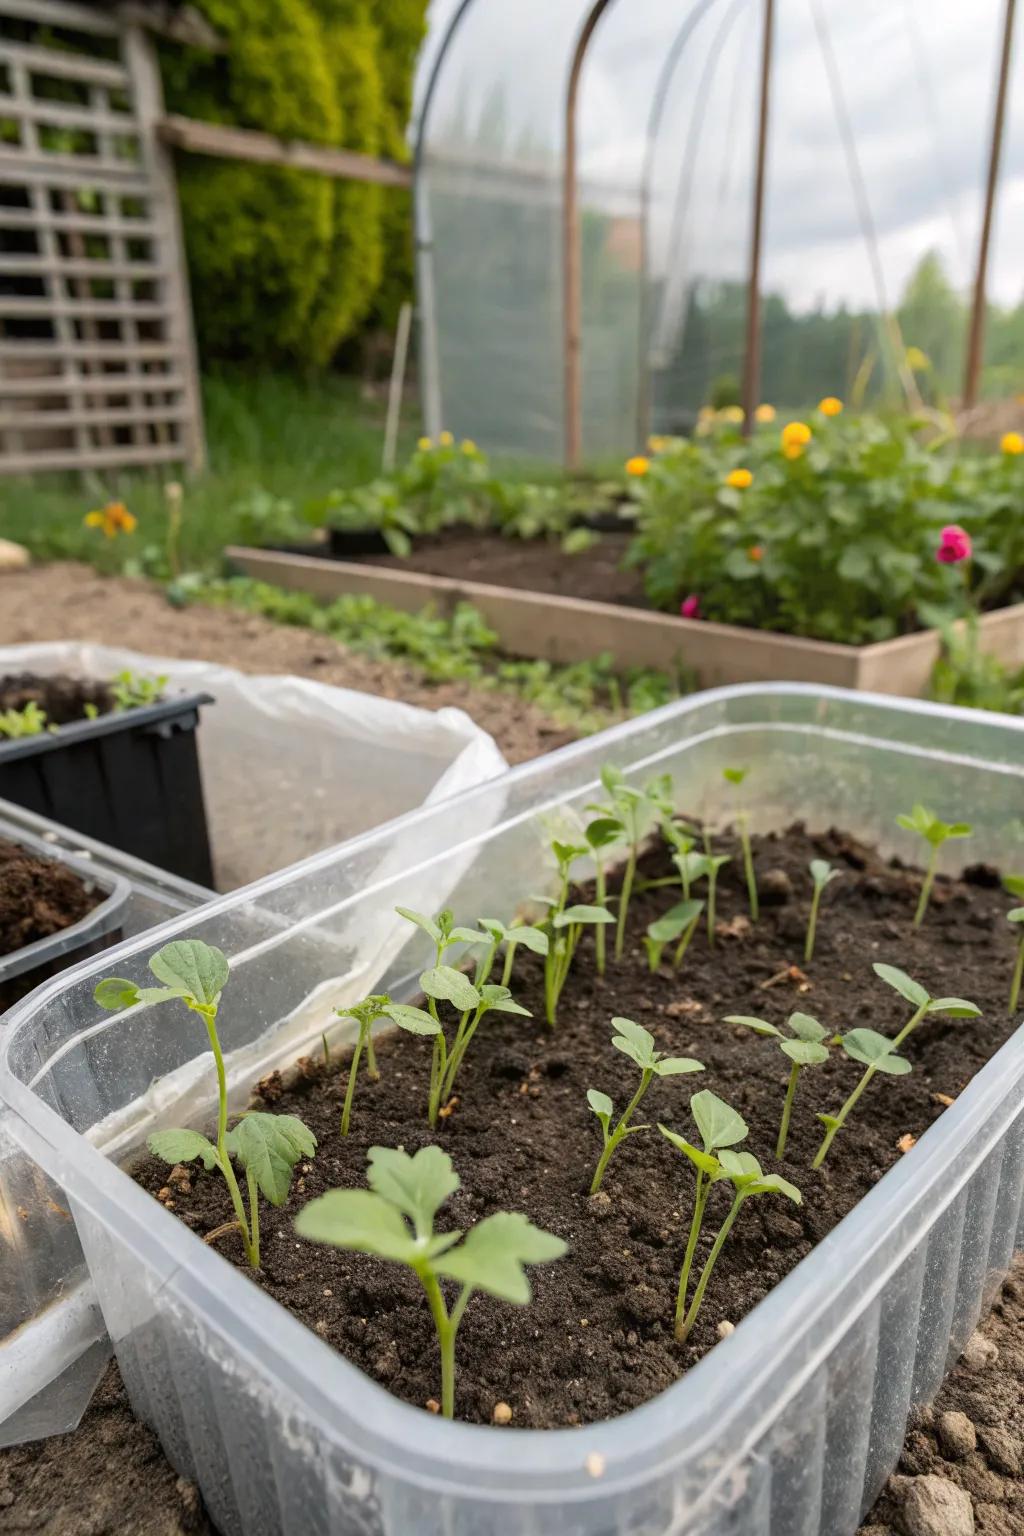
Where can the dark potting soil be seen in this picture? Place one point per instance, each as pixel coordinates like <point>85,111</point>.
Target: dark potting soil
<point>533,565</point>
<point>63,699</point>
<point>597,1339</point>
<point>38,897</point>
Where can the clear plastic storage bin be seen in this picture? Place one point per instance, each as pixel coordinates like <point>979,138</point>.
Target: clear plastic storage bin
<point>788,1428</point>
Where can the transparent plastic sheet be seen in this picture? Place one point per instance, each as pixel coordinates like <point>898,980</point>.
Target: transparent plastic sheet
<point>290,765</point>
<point>790,1426</point>
<point>878,144</point>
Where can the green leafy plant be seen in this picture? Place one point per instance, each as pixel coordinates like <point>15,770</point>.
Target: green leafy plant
<point>30,720</point>
<point>638,1044</point>
<point>877,1053</point>
<point>1014,884</point>
<point>638,810</point>
<point>679,923</point>
<point>394,1220</point>
<point>601,834</point>
<point>935,833</point>
<point>131,690</point>
<point>415,1021</point>
<point>564,926</point>
<point>266,1146</point>
<point>805,1049</point>
<point>822,874</point>
<point>736,776</point>
<point>719,1126</point>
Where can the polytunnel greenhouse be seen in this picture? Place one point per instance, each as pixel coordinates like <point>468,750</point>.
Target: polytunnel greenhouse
<point>598,257</point>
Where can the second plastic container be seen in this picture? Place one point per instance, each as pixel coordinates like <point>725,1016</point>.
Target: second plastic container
<point>789,1426</point>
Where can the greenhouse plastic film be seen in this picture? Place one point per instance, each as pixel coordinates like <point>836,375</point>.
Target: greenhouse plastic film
<point>788,1427</point>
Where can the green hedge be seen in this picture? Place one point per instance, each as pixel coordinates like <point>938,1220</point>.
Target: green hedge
<point>286,265</point>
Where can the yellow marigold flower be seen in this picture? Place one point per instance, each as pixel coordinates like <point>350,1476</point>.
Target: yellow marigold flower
<point>113,519</point>
<point>468,445</point>
<point>739,479</point>
<point>637,465</point>
<point>830,406</point>
<point>764,414</point>
<point>917,361</point>
<point>755,553</point>
<point>445,439</point>
<point>425,444</point>
<point>1012,442</point>
<point>795,436</point>
<point>657,444</point>
<point>731,413</point>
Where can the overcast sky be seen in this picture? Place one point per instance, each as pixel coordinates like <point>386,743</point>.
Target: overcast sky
<point>916,78</point>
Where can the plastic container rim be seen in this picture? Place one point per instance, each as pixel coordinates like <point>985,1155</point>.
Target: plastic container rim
<point>110,724</point>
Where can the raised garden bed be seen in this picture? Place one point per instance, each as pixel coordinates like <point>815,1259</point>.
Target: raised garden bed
<point>546,623</point>
<point>128,775</point>
<point>788,1425</point>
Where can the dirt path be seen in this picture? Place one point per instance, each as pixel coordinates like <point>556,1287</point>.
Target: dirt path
<point>71,602</point>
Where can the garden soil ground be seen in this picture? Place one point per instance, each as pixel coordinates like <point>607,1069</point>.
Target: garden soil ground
<point>111,1477</point>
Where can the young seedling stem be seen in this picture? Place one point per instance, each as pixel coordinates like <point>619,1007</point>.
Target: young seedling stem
<point>736,776</point>
<point>638,1044</point>
<point>935,833</point>
<point>1017,916</point>
<point>803,1049</point>
<point>714,865</point>
<point>822,874</point>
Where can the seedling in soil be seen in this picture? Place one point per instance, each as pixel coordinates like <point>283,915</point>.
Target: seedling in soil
<point>714,864</point>
<point>602,833</point>
<point>638,1044</point>
<point>379,1006</point>
<point>748,1181</point>
<point>394,1220</point>
<point>877,1052</point>
<point>805,1049</point>
<point>1017,916</point>
<point>132,690</point>
<point>266,1146</point>
<point>520,933</point>
<point>443,983</point>
<point>565,927</point>
<point>637,809</point>
<point>30,720</point>
<point>935,833</point>
<point>736,776</point>
<point>822,874</point>
<point>679,923</point>
<point>719,1126</point>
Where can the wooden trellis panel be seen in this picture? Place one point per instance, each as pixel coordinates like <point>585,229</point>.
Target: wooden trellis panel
<point>97,358</point>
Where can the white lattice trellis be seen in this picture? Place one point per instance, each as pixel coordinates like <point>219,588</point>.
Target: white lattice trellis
<point>97,358</point>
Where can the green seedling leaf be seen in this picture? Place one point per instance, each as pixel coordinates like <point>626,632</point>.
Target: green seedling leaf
<point>875,1050</point>
<point>603,831</point>
<point>734,775</point>
<point>269,1146</point>
<point>418,1186</point>
<point>445,984</point>
<point>822,872</point>
<point>192,969</point>
<point>954,1008</point>
<point>582,914</point>
<point>492,1255</point>
<point>903,984</point>
<point>601,1104</point>
<point>568,853</point>
<point>415,1021</point>
<point>467,936</point>
<point>676,1066</point>
<point>1016,916</point>
<point>927,825</point>
<point>718,1123</point>
<point>675,922</point>
<point>359,1220</point>
<point>759,1026</point>
<point>775,1184</point>
<point>422,921</point>
<point>806,1053</point>
<point>500,999</point>
<point>635,1042</point>
<point>115,993</point>
<point>742,1166</point>
<point>1013,885</point>
<point>182,1146</point>
<point>804,1027</point>
<point>531,938</point>
<point>705,1161</point>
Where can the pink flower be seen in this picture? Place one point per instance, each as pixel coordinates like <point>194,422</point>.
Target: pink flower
<point>689,608</point>
<point>954,545</point>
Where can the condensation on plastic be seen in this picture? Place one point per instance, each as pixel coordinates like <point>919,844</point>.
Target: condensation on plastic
<point>289,765</point>
<point>911,92</point>
<point>790,1425</point>
<point>53,1340</point>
